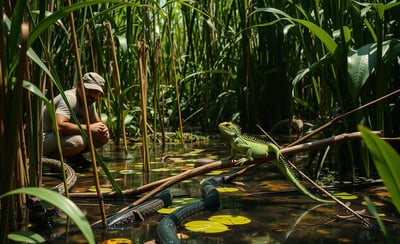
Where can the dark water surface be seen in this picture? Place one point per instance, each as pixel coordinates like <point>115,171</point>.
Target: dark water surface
<point>278,213</point>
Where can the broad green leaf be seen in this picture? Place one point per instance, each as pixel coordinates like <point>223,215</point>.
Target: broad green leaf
<point>361,64</point>
<point>386,161</point>
<point>62,203</point>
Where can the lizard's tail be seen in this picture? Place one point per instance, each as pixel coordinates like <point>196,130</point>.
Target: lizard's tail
<point>292,178</point>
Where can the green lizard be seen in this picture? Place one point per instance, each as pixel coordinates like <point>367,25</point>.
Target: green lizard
<point>254,149</point>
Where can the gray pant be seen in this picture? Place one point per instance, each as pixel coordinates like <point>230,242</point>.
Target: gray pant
<point>68,141</point>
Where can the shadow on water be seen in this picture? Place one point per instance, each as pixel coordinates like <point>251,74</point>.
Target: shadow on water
<point>278,213</point>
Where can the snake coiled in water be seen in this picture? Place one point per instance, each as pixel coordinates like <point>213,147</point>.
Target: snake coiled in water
<point>167,228</point>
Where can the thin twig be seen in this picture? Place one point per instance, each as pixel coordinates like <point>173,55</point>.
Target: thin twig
<point>339,117</point>
<point>318,186</point>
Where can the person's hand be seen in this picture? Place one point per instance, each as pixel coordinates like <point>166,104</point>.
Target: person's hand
<point>99,128</point>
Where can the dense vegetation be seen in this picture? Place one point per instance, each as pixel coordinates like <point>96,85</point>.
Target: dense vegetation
<point>197,63</point>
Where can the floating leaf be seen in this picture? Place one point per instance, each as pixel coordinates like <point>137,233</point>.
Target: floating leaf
<point>323,232</point>
<point>161,170</point>
<point>137,165</point>
<point>168,210</point>
<point>186,181</point>
<point>227,189</point>
<point>212,156</point>
<point>127,172</point>
<point>103,189</point>
<point>117,241</point>
<point>185,200</point>
<point>195,152</point>
<point>383,194</point>
<point>206,226</point>
<point>377,204</point>
<point>345,195</point>
<point>215,172</point>
<point>26,236</point>
<point>345,240</point>
<point>230,219</point>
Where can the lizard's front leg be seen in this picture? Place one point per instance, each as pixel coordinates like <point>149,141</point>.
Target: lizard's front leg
<point>249,153</point>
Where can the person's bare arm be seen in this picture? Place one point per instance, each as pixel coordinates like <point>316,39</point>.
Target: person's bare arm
<point>65,127</point>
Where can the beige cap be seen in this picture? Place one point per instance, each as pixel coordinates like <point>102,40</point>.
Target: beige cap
<point>93,81</point>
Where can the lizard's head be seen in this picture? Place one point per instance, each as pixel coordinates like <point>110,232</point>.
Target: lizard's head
<point>228,129</point>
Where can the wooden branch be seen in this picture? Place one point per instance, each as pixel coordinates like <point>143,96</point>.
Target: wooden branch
<point>223,164</point>
<point>323,142</point>
<point>341,116</point>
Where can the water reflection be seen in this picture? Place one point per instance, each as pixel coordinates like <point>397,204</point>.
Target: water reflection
<point>283,217</point>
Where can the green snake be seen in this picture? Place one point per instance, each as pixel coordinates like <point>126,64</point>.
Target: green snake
<point>167,228</point>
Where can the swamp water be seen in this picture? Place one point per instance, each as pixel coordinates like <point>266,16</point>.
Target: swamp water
<point>268,208</point>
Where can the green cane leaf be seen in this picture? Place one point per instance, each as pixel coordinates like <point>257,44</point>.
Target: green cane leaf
<point>62,203</point>
<point>386,162</point>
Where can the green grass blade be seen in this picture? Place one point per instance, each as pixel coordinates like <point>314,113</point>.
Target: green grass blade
<point>61,202</point>
<point>382,226</point>
<point>386,161</point>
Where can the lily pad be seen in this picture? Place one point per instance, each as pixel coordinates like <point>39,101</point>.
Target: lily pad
<point>103,189</point>
<point>212,156</point>
<point>127,172</point>
<point>227,189</point>
<point>215,172</point>
<point>185,200</point>
<point>117,241</point>
<point>28,237</point>
<point>161,170</point>
<point>345,195</point>
<point>195,152</point>
<point>168,210</point>
<point>228,219</point>
<point>377,204</point>
<point>206,226</point>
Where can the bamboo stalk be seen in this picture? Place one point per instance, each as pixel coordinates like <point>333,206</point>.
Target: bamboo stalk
<point>178,103</point>
<point>118,88</point>
<point>87,119</point>
<point>142,56</point>
<point>19,165</point>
